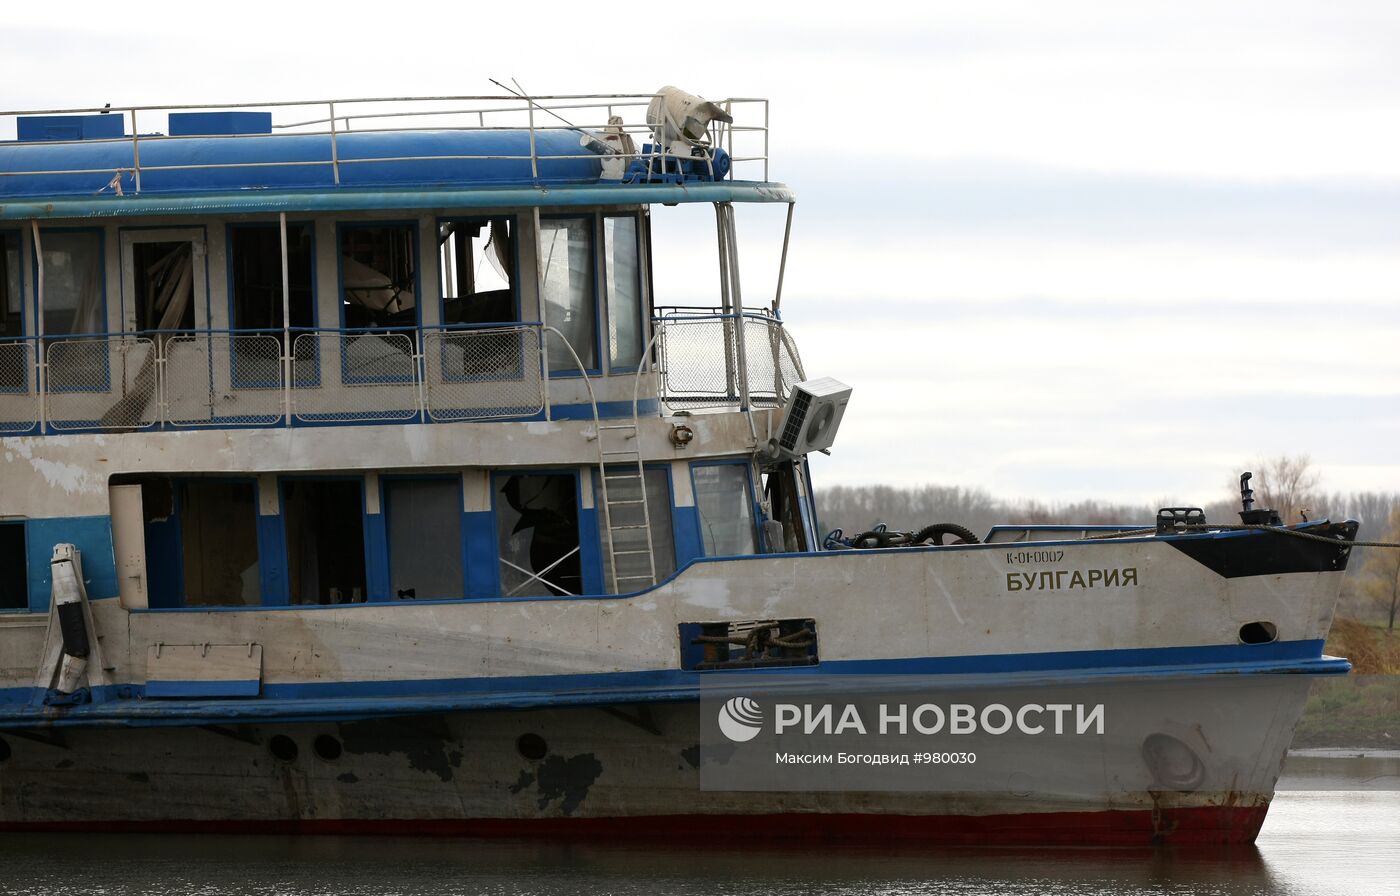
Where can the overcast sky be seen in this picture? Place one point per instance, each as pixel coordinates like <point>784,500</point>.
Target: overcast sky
<point>1061,250</point>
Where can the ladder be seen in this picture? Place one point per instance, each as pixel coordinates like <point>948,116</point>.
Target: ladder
<point>624,490</point>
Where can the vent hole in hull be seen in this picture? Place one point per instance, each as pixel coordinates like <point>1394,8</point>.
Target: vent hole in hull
<point>282,747</point>
<point>531,747</point>
<point>326,747</point>
<point>1258,633</point>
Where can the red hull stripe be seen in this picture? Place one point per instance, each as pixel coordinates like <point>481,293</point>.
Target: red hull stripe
<point>1183,826</point>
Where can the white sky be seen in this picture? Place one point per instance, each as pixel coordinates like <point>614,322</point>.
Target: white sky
<point>1061,250</point>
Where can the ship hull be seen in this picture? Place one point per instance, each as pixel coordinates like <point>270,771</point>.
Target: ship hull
<point>646,772</point>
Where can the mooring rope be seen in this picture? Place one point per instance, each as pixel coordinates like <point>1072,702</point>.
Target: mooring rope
<point>1243,527</point>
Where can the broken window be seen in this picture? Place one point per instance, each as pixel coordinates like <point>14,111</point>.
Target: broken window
<point>14,568</point>
<point>324,519</point>
<point>255,265</point>
<point>164,283</point>
<point>566,291</point>
<point>724,499</point>
<point>621,490</point>
<point>784,496</point>
<point>378,275</point>
<point>623,280</point>
<point>424,518</point>
<point>219,540</point>
<point>537,534</point>
<point>478,271</point>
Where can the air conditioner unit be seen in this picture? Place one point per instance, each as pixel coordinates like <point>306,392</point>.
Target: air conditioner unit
<point>810,418</point>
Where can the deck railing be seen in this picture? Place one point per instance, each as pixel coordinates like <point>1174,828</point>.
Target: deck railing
<point>245,378</point>
<point>701,361</point>
<point>746,140</point>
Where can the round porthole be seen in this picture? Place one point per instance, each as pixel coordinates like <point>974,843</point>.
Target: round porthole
<point>327,747</point>
<point>531,747</point>
<point>282,747</point>
<point>1258,633</point>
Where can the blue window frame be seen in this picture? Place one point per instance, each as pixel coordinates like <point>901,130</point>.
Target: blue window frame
<point>15,357</point>
<point>664,534</point>
<point>379,286</point>
<point>546,540</point>
<point>625,299</point>
<point>423,521</point>
<point>325,532</point>
<point>14,566</point>
<point>725,506</point>
<point>255,299</point>
<point>75,305</point>
<point>569,292</point>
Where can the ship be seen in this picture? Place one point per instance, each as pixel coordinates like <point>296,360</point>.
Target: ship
<point>355,477</point>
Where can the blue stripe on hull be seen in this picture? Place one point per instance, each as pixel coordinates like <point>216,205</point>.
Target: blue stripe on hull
<point>361,699</point>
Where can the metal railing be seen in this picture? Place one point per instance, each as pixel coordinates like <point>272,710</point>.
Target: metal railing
<point>455,373</point>
<point>211,378</point>
<point>700,359</point>
<point>746,140</point>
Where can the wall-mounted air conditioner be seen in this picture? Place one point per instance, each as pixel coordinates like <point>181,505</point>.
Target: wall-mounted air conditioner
<point>810,418</point>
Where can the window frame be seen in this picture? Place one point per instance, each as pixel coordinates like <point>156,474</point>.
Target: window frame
<point>23,526</point>
<point>516,229</point>
<point>127,237</point>
<point>36,261</point>
<point>367,569</point>
<point>594,243</point>
<point>23,336</point>
<point>313,370</point>
<point>385,479</point>
<point>590,556</point>
<point>643,291</point>
<point>755,509</point>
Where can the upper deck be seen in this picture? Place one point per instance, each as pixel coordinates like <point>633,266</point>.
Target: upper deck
<point>360,154</point>
<point>435,260</point>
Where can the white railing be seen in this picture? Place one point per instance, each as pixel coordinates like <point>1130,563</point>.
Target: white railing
<point>700,361</point>
<point>745,140</point>
<point>183,380</point>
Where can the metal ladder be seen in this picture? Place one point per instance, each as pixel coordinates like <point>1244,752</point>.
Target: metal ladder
<point>625,454</point>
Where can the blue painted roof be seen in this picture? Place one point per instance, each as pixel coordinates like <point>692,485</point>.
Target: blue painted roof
<point>254,175</point>
<point>279,161</point>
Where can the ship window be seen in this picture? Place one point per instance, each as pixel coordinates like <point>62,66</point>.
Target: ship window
<point>623,282</point>
<point>566,291</point>
<point>325,540</point>
<point>164,285</point>
<point>378,275</point>
<point>785,502</point>
<point>73,288</point>
<point>478,271</point>
<point>219,539</point>
<point>11,290</point>
<point>537,533</point>
<point>14,357</point>
<point>622,487</point>
<point>255,260</point>
<point>14,570</point>
<point>724,499</point>
<point>424,518</point>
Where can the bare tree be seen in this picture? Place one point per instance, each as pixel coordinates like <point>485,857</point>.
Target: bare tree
<point>1381,582</point>
<point>1287,484</point>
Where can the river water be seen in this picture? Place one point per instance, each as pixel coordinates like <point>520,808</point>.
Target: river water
<point>1314,843</point>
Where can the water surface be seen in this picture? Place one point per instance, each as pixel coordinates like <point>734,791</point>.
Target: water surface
<point>1313,844</point>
